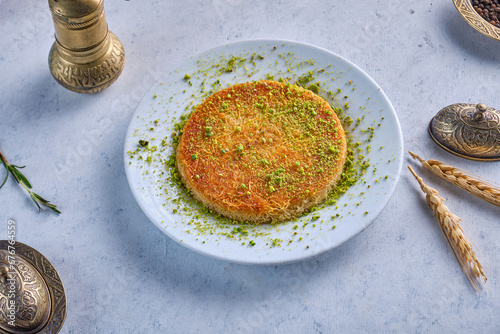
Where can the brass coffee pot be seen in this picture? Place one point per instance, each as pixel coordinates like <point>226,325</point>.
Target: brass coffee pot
<point>86,57</point>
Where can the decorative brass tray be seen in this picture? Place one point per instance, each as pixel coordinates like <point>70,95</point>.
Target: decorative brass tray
<point>475,20</point>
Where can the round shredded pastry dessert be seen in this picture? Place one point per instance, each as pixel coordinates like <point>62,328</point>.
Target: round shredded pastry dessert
<point>262,151</point>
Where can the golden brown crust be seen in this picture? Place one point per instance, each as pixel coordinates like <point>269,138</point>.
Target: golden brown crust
<point>262,151</point>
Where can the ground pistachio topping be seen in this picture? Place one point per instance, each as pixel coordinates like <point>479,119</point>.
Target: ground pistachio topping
<point>210,77</point>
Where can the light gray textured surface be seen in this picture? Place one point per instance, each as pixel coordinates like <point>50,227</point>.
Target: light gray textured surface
<point>122,275</point>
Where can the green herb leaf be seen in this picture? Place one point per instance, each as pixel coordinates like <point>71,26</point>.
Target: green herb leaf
<point>20,177</point>
<point>23,181</point>
<point>5,180</point>
<point>33,197</point>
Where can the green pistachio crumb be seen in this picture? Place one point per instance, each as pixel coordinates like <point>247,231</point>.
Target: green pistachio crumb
<point>208,131</point>
<point>313,88</point>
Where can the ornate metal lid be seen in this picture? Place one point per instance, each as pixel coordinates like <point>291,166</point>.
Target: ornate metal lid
<point>468,130</point>
<point>32,298</point>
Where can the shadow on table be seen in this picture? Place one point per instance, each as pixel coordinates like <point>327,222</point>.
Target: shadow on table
<point>43,97</point>
<point>251,295</point>
<point>175,273</point>
<point>470,40</point>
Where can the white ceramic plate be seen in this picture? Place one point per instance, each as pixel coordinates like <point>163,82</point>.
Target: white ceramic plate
<point>185,222</point>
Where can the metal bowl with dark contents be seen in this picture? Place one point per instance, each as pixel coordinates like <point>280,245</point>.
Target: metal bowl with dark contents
<point>474,19</point>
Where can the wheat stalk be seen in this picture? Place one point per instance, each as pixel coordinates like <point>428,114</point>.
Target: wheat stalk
<point>483,189</point>
<point>450,226</point>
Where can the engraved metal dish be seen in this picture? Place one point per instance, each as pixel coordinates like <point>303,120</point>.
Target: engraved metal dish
<point>475,20</point>
<point>468,130</point>
<point>32,298</point>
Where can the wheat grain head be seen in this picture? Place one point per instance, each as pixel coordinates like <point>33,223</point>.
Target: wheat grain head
<point>454,234</point>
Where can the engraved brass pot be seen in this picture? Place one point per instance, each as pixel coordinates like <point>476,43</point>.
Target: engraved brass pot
<point>32,298</point>
<point>86,57</point>
<point>468,130</point>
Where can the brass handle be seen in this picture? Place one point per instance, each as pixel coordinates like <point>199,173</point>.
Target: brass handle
<point>481,109</point>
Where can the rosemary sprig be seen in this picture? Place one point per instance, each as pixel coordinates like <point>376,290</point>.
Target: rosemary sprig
<point>23,181</point>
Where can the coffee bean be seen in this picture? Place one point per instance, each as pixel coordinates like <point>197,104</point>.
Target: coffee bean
<point>488,10</point>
